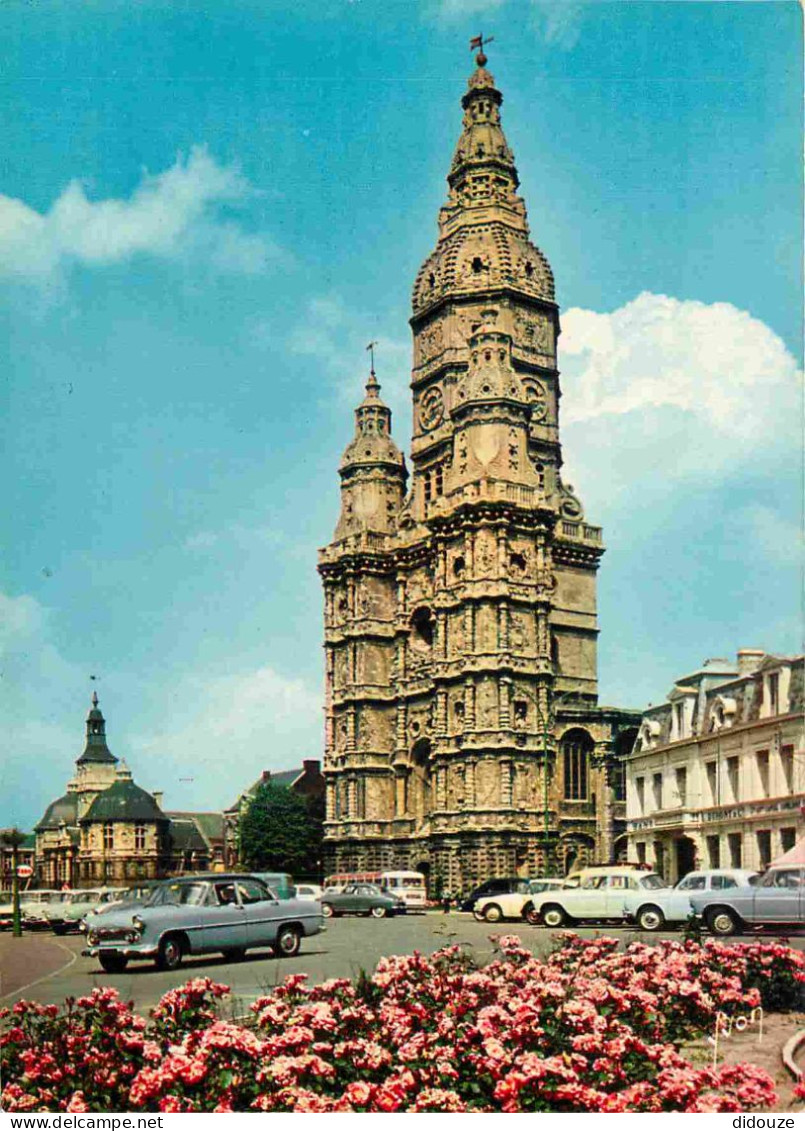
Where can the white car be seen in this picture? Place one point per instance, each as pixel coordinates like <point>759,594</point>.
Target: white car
<point>653,909</point>
<point>514,904</point>
<point>308,891</point>
<point>602,894</point>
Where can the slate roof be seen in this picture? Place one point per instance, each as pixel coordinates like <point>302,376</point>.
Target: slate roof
<point>124,801</point>
<point>62,809</point>
<point>185,836</point>
<point>209,825</point>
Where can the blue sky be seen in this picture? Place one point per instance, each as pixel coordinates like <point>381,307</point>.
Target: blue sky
<point>208,209</point>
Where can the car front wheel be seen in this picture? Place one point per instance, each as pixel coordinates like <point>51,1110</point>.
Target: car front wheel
<point>288,942</point>
<point>379,912</point>
<point>113,963</point>
<point>723,921</point>
<point>327,910</point>
<point>492,913</point>
<point>650,919</point>
<point>554,916</point>
<point>170,953</point>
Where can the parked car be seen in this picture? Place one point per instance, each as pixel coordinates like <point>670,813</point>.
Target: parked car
<point>500,885</point>
<point>309,891</point>
<point>517,904</point>
<point>603,893</point>
<point>34,906</point>
<point>653,909</point>
<point>202,914</point>
<point>360,899</point>
<point>776,900</point>
<point>68,914</point>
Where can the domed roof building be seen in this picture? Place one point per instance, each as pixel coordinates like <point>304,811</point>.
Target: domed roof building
<point>106,829</point>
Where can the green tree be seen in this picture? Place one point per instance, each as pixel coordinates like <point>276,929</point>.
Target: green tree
<point>281,832</point>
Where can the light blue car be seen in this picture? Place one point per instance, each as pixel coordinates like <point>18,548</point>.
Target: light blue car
<point>653,910</point>
<point>227,914</point>
<point>776,900</point>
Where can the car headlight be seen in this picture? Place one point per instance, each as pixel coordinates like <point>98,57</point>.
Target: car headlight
<point>92,938</point>
<point>139,925</point>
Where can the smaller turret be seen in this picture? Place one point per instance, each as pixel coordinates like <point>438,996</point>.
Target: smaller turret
<point>372,470</point>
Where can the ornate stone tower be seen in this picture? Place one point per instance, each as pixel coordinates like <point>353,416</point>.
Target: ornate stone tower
<point>463,735</point>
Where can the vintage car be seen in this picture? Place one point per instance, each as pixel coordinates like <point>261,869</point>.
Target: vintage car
<point>776,900</point>
<point>517,904</point>
<point>309,891</point>
<point>653,909</point>
<point>34,906</point>
<point>360,899</point>
<point>68,913</point>
<point>202,914</point>
<point>605,893</point>
<point>500,885</point>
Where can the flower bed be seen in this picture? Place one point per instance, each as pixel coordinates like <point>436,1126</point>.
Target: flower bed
<point>590,1028</point>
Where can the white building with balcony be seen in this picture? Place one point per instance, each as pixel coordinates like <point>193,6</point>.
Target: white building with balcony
<point>716,778</point>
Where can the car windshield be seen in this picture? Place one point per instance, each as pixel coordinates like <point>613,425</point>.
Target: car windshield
<point>190,894</point>
<point>652,882</point>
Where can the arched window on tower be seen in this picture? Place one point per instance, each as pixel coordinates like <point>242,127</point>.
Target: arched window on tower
<point>576,747</point>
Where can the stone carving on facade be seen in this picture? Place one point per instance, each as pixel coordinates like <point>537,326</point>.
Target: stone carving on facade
<point>462,564</point>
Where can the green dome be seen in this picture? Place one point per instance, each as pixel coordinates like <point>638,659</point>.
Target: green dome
<point>64,809</point>
<point>124,801</point>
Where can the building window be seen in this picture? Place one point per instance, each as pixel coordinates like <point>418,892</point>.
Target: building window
<point>427,487</point>
<point>733,778</point>
<point>714,851</point>
<point>712,782</point>
<point>641,850</point>
<point>679,720</point>
<point>619,781</point>
<point>762,758</point>
<point>108,836</point>
<point>139,837</point>
<point>787,760</point>
<point>640,790</point>
<point>575,754</point>
<point>439,479</point>
<point>659,857</point>
<point>682,785</point>
<point>774,693</point>
<point>735,850</point>
<point>656,785</point>
<point>788,838</point>
<point>763,849</point>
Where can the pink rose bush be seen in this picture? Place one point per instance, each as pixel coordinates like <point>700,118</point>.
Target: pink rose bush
<point>589,1028</point>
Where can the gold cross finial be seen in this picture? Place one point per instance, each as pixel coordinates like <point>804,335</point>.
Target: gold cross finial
<point>479,41</point>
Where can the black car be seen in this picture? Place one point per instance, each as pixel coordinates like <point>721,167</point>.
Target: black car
<point>501,885</point>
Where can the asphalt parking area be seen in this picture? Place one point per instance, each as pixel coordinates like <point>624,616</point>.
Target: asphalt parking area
<point>349,945</point>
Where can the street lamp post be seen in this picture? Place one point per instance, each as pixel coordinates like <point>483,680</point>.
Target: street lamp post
<point>13,838</point>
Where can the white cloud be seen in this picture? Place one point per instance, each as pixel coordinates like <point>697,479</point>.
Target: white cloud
<point>337,337</point>
<point>223,730</point>
<point>669,388</point>
<point>559,22</point>
<point>169,216</point>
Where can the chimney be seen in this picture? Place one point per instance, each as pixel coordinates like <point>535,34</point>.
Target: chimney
<point>311,765</point>
<point>749,659</point>
<point>265,776</point>
<point>157,795</point>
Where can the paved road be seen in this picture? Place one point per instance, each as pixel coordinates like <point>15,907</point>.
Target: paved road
<point>347,946</point>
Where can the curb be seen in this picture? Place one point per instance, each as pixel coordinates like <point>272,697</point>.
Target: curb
<point>790,1049</point>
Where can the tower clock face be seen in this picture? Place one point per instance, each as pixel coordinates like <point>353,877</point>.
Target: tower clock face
<point>431,409</point>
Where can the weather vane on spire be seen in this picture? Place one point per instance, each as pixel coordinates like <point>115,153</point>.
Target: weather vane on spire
<point>479,41</point>
<point>371,349</point>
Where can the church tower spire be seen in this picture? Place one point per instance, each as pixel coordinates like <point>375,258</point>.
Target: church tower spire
<point>462,731</point>
<point>372,469</point>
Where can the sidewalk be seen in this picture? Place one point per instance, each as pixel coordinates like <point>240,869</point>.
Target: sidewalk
<point>27,959</point>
